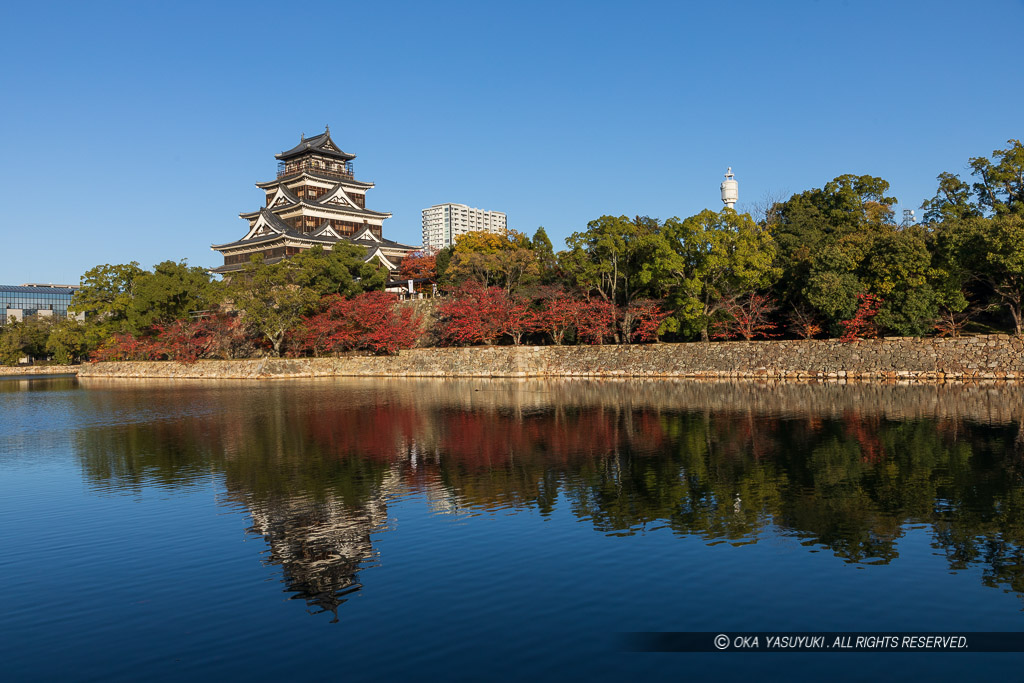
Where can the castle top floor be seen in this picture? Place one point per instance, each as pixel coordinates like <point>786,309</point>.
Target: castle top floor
<point>317,154</point>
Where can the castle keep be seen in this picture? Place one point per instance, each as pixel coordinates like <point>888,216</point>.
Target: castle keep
<point>315,200</point>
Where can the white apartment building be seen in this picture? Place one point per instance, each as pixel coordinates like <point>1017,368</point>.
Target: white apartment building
<point>442,223</point>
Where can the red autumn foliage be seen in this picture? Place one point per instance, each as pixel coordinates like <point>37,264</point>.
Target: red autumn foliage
<point>749,317</point>
<point>518,317</point>
<point>128,347</point>
<point>418,265</point>
<point>183,340</point>
<point>952,323</point>
<point>556,316</point>
<point>643,318</point>
<point>389,328</point>
<point>804,323</point>
<point>228,337</point>
<point>477,315</point>
<point>483,315</point>
<point>865,430</point>
<point>862,324</point>
<point>314,334</point>
<point>371,321</point>
<point>595,321</point>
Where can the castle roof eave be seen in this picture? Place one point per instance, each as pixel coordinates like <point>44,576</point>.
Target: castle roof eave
<point>264,240</point>
<point>318,176</point>
<point>292,235</point>
<point>351,210</point>
<point>235,267</point>
<point>316,145</point>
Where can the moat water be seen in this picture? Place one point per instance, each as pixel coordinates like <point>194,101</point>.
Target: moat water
<point>499,530</point>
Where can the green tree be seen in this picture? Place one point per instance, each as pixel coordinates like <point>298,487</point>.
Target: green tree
<point>621,260</point>
<point>1002,238</point>
<point>953,271</point>
<point>982,257</point>
<point>11,343</point>
<point>718,257</point>
<point>442,260</point>
<point>171,292</point>
<point>545,255</point>
<point>341,270</point>
<point>67,341</point>
<point>952,201</point>
<point>1000,186</point>
<point>841,240</point>
<point>106,295</point>
<point>271,298</point>
<point>21,338</point>
<point>883,260</point>
<point>897,267</point>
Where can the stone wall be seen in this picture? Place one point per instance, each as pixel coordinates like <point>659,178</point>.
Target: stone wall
<point>23,370</point>
<point>980,357</point>
<point>427,310</point>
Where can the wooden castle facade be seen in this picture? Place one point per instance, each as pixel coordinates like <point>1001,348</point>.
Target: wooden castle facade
<point>315,200</point>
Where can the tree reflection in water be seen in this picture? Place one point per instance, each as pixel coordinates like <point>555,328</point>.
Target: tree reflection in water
<point>848,468</point>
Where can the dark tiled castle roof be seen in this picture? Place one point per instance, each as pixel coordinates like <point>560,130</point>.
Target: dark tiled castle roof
<point>321,144</point>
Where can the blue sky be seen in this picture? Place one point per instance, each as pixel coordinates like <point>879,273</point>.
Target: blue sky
<point>133,131</point>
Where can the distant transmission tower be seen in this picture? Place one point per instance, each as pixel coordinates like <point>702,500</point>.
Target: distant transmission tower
<point>908,217</point>
<point>730,189</point>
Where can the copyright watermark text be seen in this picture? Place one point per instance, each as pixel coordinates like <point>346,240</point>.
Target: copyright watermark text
<point>771,641</point>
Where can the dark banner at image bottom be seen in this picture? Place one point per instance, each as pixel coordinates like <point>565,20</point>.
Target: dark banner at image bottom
<point>821,641</point>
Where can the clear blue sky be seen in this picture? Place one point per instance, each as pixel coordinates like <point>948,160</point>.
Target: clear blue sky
<point>135,131</point>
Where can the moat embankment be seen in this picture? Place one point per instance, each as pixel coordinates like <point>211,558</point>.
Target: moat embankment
<point>986,357</point>
<point>28,370</point>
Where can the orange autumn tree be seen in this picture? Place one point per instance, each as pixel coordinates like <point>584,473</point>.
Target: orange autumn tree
<point>419,266</point>
<point>503,259</point>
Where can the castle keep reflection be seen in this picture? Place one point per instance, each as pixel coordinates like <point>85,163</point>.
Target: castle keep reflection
<point>320,545</point>
<point>317,464</point>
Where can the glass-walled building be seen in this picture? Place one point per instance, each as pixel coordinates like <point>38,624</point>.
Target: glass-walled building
<point>27,301</point>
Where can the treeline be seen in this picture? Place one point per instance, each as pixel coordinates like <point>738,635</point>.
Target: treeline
<point>830,261</point>
<point>181,312</point>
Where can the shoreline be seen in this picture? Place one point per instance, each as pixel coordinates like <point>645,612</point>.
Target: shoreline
<point>34,370</point>
<point>983,357</point>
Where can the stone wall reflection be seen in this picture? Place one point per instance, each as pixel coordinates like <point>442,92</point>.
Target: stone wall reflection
<point>847,468</point>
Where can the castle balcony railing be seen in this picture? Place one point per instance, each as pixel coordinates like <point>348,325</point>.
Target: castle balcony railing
<point>336,170</point>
